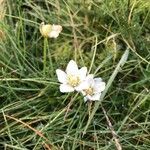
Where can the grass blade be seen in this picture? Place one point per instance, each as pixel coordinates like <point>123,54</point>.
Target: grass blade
<point>111,79</point>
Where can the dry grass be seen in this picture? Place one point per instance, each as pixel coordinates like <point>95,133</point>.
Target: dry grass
<point>2,15</point>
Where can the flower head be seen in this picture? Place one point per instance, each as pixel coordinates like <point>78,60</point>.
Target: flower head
<point>93,88</point>
<point>51,31</point>
<point>72,79</point>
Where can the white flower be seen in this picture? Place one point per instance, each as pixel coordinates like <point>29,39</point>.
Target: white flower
<point>73,78</point>
<point>93,88</point>
<point>51,31</point>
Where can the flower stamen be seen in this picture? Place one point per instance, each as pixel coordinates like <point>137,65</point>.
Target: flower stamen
<point>73,80</point>
<point>89,91</point>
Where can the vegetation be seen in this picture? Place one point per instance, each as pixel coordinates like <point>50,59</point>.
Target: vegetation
<point>111,38</point>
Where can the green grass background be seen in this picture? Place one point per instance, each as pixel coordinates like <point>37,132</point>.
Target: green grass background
<point>97,34</point>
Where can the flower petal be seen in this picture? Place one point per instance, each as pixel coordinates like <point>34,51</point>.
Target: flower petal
<point>99,87</point>
<point>57,28</point>
<point>89,79</point>
<point>98,80</point>
<point>62,76</point>
<point>95,97</point>
<point>82,73</point>
<point>64,88</point>
<point>87,98</point>
<point>72,68</point>
<point>90,76</point>
<point>53,34</point>
<point>83,85</point>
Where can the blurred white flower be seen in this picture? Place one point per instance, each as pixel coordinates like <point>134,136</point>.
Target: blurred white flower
<point>73,78</point>
<point>51,31</point>
<point>93,88</point>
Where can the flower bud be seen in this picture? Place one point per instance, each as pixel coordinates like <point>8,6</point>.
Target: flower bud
<point>45,29</point>
<point>51,31</point>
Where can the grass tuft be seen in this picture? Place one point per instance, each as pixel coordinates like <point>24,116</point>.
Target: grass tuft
<point>111,38</point>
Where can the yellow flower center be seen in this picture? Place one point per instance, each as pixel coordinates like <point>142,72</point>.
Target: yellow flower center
<point>73,80</point>
<point>89,91</point>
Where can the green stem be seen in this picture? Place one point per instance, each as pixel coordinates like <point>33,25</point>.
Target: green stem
<point>44,56</point>
<point>51,62</point>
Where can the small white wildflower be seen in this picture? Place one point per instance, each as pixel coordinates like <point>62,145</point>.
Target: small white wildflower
<point>93,88</point>
<point>51,31</point>
<point>73,78</point>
